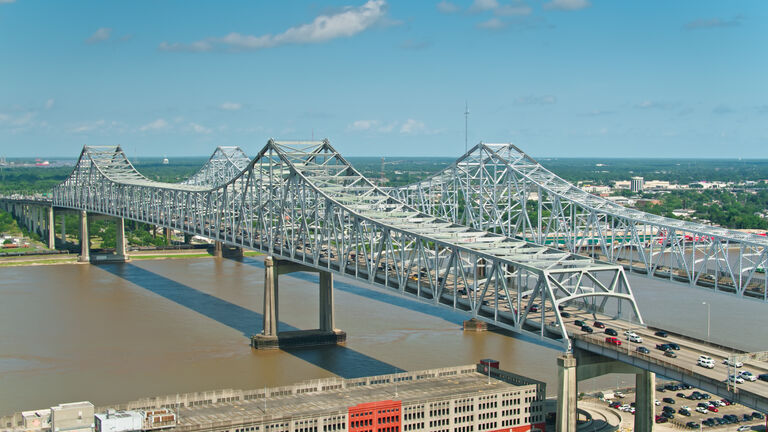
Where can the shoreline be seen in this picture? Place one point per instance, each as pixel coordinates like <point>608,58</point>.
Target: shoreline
<point>45,259</point>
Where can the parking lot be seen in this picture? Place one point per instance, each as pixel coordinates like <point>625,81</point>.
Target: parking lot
<point>675,397</point>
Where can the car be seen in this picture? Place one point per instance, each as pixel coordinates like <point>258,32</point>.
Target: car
<point>735,379</point>
<point>747,375</point>
<point>613,341</point>
<point>668,409</point>
<point>701,410</point>
<point>579,323</point>
<point>763,377</point>
<point>746,417</point>
<point>702,405</point>
<point>725,401</point>
<point>743,428</point>
<point>656,402</point>
<point>712,408</point>
<point>680,395</point>
<point>661,333</point>
<point>720,421</point>
<point>619,394</point>
<point>661,419</point>
<point>629,332</point>
<point>625,407</point>
<point>668,400</point>
<point>674,346</point>
<point>670,353</point>
<point>757,415</point>
<point>611,332</point>
<point>614,404</point>
<point>663,347</point>
<point>565,314</point>
<point>733,363</point>
<point>692,425</point>
<point>586,329</point>
<point>731,418</point>
<point>687,386</point>
<point>599,324</point>
<point>635,338</point>
<point>718,403</point>
<point>644,350</point>
<point>534,308</point>
<point>668,415</point>
<point>684,412</point>
<point>708,422</point>
<point>710,364</point>
<point>705,395</point>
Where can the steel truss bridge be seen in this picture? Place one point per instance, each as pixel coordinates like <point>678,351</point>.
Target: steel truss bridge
<point>302,201</point>
<point>498,188</point>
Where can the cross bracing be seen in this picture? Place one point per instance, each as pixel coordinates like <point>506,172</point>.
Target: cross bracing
<point>302,201</point>
<point>224,164</point>
<point>499,188</point>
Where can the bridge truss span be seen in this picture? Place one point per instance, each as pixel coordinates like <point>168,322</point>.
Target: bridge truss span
<point>302,201</point>
<point>497,187</point>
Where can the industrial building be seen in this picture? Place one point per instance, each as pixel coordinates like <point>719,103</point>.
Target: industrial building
<point>473,398</point>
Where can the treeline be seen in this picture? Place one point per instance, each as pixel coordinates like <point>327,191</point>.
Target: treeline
<point>728,209</point>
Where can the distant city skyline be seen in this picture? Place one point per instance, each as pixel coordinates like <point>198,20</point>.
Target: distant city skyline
<point>558,78</point>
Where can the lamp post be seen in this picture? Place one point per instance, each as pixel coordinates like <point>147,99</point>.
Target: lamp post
<point>706,303</point>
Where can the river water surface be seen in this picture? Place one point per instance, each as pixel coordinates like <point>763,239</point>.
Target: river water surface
<point>114,333</point>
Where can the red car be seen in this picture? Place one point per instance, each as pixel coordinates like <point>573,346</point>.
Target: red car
<point>613,340</point>
<point>598,324</point>
<point>711,408</point>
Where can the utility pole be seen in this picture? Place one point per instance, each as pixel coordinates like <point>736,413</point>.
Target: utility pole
<point>466,124</point>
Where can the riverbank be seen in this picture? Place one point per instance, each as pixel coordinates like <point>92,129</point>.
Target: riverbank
<point>42,259</point>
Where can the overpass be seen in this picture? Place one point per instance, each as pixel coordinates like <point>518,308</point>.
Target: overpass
<point>499,188</point>
<point>303,204</point>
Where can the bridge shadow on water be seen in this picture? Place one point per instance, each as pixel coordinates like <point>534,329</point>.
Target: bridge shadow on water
<point>342,361</point>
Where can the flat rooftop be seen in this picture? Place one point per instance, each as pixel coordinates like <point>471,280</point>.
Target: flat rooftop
<point>338,400</point>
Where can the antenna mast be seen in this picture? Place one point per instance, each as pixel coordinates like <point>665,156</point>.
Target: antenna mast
<point>466,123</point>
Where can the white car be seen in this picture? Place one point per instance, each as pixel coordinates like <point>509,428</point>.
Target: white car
<point>630,333</point>
<point>737,364</point>
<point>705,358</point>
<point>701,410</point>
<point>619,394</point>
<point>735,379</point>
<point>744,428</point>
<point>635,338</point>
<point>718,403</point>
<point>706,363</point>
<point>747,375</point>
<point>625,407</point>
<point>656,402</point>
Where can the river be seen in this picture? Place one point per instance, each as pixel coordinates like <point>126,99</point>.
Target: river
<point>114,333</point>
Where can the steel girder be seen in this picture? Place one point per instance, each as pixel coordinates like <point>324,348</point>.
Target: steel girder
<point>497,187</point>
<point>224,164</point>
<point>304,202</point>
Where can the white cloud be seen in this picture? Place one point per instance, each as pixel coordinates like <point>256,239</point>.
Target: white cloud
<point>492,24</point>
<point>714,23</point>
<point>7,1</point>
<point>483,5</point>
<point>49,103</point>
<point>509,10</point>
<point>88,127</point>
<point>101,35</point>
<point>231,106</point>
<point>199,128</point>
<point>567,4</point>
<point>447,7</point>
<point>155,125</point>
<point>349,22</point>
<point>412,126</point>
<point>362,125</point>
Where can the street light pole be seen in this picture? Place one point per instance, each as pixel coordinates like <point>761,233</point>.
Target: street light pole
<point>706,303</point>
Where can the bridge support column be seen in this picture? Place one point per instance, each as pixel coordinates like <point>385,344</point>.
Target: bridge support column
<point>271,338</point>
<point>168,233</point>
<point>567,393</point>
<point>217,249</point>
<point>645,385</point>
<point>51,222</point>
<point>120,251</point>
<point>85,255</point>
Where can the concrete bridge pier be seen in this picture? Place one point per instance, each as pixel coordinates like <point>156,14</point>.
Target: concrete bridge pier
<point>581,365</point>
<point>85,255</point>
<point>120,251</point>
<point>51,228</point>
<point>217,249</point>
<point>271,338</point>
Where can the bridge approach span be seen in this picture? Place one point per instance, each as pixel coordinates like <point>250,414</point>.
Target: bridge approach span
<point>499,188</point>
<point>302,201</point>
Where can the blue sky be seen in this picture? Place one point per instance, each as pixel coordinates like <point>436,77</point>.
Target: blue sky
<point>386,78</point>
